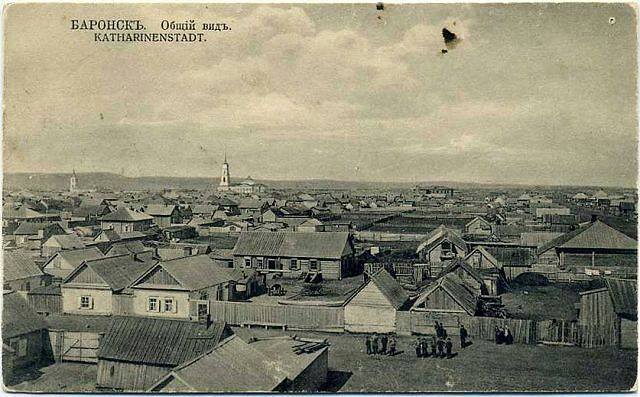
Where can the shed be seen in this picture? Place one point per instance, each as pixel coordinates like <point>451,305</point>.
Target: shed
<point>24,336</point>
<point>136,352</point>
<point>613,310</point>
<point>373,307</point>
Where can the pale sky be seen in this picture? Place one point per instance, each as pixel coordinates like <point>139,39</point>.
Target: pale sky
<point>540,94</point>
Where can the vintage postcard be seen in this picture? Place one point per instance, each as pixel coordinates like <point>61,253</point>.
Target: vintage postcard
<point>371,197</point>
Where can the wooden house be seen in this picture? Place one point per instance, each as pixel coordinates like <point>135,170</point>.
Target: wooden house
<point>479,226</point>
<point>182,288</point>
<point>447,300</point>
<point>373,306</point>
<point>21,273</point>
<point>31,235</point>
<point>64,262</point>
<point>61,242</point>
<point>24,337</point>
<point>138,351</point>
<point>100,286</point>
<point>597,247</point>
<point>164,215</point>
<point>440,247</point>
<point>126,220</point>
<point>294,254</point>
<point>612,311</point>
<point>134,248</point>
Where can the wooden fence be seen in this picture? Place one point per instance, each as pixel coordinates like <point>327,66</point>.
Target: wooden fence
<point>330,319</point>
<point>573,333</point>
<point>483,328</point>
<point>384,236</point>
<point>46,303</point>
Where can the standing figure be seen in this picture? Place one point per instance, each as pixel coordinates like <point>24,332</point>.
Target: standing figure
<point>383,342</point>
<point>440,347</point>
<point>368,343</point>
<point>508,337</point>
<point>498,333</point>
<point>463,336</point>
<point>437,328</point>
<point>392,346</point>
<point>374,344</point>
<point>418,347</point>
<point>449,347</point>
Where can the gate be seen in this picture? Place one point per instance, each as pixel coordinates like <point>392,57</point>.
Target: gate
<point>76,346</point>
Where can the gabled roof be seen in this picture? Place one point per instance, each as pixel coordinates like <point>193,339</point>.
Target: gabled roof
<point>486,254</point>
<point>537,239</point>
<point>110,234</point>
<point>459,263</point>
<point>602,236</point>
<point>286,244</point>
<point>478,219</point>
<point>32,228</point>
<point>18,265</point>
<point>119,272</point>
<point>232,366</point>
<point>624,294</point>
<point>440,233</point>
<point>124,214</point>
<point>18,318</point>
<point>390,288</point>
<point>127,247</point>
<point>158,341</point>
<point>159,209</point>
<point>455,288</point>
<point>75,257</point>
<point>193,272</point>
<point>67,241</point>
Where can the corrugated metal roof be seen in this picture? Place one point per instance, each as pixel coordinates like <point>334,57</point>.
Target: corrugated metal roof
<point>18,265</point>
<point>285,244</point>
<point>158,341</point>
<point>391,289</point>
<point>232,366</point>
<point>18,318</point>
<point>624,294</point>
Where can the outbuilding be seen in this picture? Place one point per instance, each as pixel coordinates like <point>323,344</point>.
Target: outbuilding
<point>373,307</point>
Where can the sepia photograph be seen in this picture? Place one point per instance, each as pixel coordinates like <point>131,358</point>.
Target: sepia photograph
<point>320,198</point>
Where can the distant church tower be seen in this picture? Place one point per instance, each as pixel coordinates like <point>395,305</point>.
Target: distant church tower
<point>73,182</point>
<point>225,179</point>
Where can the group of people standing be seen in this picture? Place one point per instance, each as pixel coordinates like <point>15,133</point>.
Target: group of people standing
<point>503,335</point>
<point>433,347</point>
<point>378,344</point>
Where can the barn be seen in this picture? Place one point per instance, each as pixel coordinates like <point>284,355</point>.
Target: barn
<point>447,300</point>
<point>373,307</point>
<point>136,352</point>
<point>613,310</point>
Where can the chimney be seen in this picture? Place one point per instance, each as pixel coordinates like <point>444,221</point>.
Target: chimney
<point>594,217</point>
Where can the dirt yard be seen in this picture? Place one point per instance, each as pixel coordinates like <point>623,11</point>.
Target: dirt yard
<point>483,366</point>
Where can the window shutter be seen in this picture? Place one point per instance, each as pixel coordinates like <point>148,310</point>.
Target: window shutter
<point>80,302</point>
<point>91,298</point>
<point>175,306</point>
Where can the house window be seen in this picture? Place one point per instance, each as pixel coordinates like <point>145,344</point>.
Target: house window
<point>314,265</point>
<point>294,265</point>
<point>85,302</point>
<point>219,293</point>
<point>169,305</point>
<point>260,263</point>
<point>271,264</point>
<point>153,305</point>
<point>247,262</point>
<point>27,286</point>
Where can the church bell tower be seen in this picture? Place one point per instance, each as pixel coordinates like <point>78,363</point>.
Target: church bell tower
<point>225,179</point>
<point>73,182</point>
